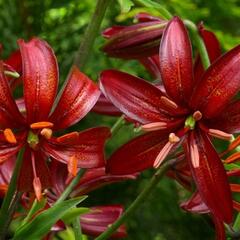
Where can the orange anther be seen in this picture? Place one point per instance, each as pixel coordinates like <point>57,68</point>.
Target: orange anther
<point>40,125</point>
<point>68,138</point>
<point>233,158</point>
<point>72,166</point>
<point>9,135</point>
<point>46,132</point>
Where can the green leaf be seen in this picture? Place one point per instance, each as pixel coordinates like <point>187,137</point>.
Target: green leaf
<point>125,5</point>
<point>43,222</point>
<point>72,213</point>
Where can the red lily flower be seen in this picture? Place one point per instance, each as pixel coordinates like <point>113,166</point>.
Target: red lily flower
<point>186,110</point>
<point>34,128</point>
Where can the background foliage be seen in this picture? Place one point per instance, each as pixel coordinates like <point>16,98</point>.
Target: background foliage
<point>62,24</point>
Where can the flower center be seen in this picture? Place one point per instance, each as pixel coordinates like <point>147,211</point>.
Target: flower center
<point>191,120</point>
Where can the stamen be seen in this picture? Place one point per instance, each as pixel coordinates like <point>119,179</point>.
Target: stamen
<point>40,125</point>
<point>13,74</point>
<point>37,186</point>
<point>194,155</point>
<point>235,187</point>
<point>163,154</point>
<point>72,165</point>
<point>173,138</point>
<point>197,115</point>
<point>154,126</point>
<point>220,134</point>
<point>234,144</point>
<point>68,138</point>
<point>233,158</point>
<point>169,103</point>
<point>46,132</point>
<point>3,188</point>
<point>9,136</point>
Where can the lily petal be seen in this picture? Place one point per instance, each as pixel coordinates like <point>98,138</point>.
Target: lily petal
<point>99,218</point>
<point>210,176</point>
<point>136,98</point>
<point>76,100</point>
<point>176,61</point>
<point>219,85</point>
<point>138,154</point>
<point>40,78</point>
<point>9,114</point>
<point>88,148</point>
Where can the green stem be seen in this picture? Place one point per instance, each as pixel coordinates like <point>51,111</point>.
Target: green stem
<point>199,43</point>
<point>31,212</point>
<point>10,196</point>
<point>91,33</point>
<point>77,229</point>
<point>138,201</point>
<point>117,125</point>
<point>71,186</point>
<point>151,4</point>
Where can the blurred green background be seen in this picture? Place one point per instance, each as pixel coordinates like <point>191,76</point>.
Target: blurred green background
<point>62,23</point>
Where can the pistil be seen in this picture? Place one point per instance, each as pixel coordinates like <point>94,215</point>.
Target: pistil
<point>32,140</point>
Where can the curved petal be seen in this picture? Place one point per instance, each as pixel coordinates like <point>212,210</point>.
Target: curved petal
<point>9,114</point>
<point>219,84</point>
<point>99,218</point>
<point>96,178</point>
<point>105,107</point>
<point>87,148</point>
<point>229,119</point>
<point>138,154</point>
<point>76,100</point>
<point>111,31</point>
<point>136,98</point>
<point>40,78</point>
<point>213,48</point>
<point>176,61</point>
<point>210,176</point>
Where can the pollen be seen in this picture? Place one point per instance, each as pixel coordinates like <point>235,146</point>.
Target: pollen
<point>40,125</point>
<point>220,134</point>
<point>46,132</point>
<point>37,186</point>
<point>9,136</point>
<point>168,103</point>
<point>162,154</point>
<point>154,126</point>
<point>173,138</point>
<point>197,115</point>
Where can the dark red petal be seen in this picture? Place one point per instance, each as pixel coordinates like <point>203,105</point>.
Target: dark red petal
<point>219,84</point>
<point>78,97</point>
<point>96,178</point>
<point>152,65</point>
<point>229,119</point>
<point>40,78</point>
<point>219,228</point>
<point>176,61</point>
<point>15,61</point>
<point>98,220</point>
<point>104,106</point>
<point>6,170</point>
<point>210,176</point>
<point>213,48</point>
<point>110,32</point>
<point>145,17</point>
<point>138,154</point>
<point>25,181</point>
<point>195,204</point>
<point>136,98</point>
<point>9,114</point>
<point>88,148</point>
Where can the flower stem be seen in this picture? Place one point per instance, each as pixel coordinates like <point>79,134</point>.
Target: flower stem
<point>91,33</point>
<point>199,43</point>
<point>117,125</point>
<point>11,198</point>
<point>71,186</point>
<point>77,228</point>
<point>138,201</point>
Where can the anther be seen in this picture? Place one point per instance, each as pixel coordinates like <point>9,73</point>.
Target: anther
<point>46,132</point>
<point>154,126</point>
<point>163,154</point>
<point>9,136</point>
<point>194,155</point>
<point>197,115</point>
<point>72,165</point>
<point>220,134</point>
<point>169,103</point>
<point>173,138</point>
<point>37,186</point>
<point>40,125</point>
